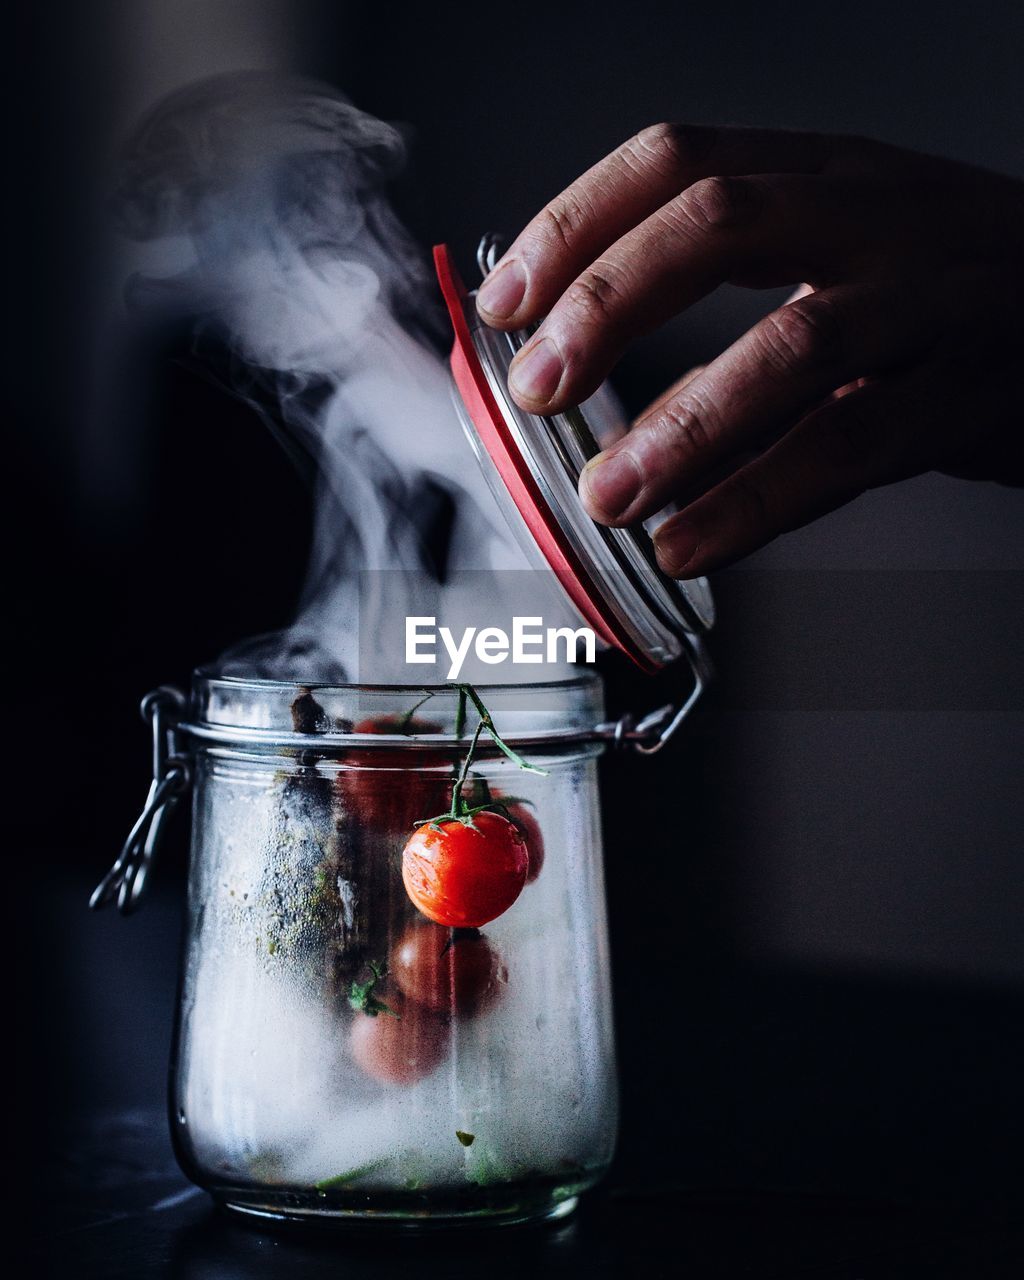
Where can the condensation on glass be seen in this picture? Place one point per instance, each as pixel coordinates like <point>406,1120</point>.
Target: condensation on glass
<point>492,1099</point>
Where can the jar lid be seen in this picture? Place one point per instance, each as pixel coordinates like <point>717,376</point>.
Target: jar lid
<point>532,465</point>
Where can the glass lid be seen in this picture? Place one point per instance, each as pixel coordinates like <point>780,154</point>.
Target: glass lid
<point>611,575</point>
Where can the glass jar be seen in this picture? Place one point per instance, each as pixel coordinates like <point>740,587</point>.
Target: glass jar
<point>339,1055</point>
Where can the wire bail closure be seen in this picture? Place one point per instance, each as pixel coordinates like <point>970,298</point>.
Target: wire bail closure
<point>650,734</point>
<point>126,880</point>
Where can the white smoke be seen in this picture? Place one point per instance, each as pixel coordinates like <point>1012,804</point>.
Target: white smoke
<point>256,206</point>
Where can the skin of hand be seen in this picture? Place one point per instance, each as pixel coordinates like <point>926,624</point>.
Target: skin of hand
<point>900,353</point>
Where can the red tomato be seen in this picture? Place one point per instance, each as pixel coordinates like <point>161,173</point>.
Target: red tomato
<point>402,1049</point>
<point>464,876</point>
<point>523,815</point>
<point>387,789</point>
<point>447,972</point>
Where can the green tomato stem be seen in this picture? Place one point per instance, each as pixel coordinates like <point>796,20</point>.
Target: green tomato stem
<point>460,810</point>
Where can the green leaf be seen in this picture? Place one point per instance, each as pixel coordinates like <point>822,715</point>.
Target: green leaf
<point>350,1175</point>
<point>361,996</point>
<point>467,1139</point>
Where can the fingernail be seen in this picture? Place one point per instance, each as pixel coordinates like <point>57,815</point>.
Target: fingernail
<point>676,543</point>
<point>536,372</point>
<point>503,290</point>
<point>609,484</point>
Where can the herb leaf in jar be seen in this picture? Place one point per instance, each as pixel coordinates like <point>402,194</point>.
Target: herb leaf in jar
<point>361,996</point>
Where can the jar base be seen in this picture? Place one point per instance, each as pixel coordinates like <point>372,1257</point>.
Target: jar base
<point>509,1210</point>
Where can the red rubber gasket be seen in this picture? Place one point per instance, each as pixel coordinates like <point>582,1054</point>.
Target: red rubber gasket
<point>515,473</point>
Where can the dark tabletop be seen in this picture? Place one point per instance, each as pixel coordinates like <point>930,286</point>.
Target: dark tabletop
<point>130,1213</point>
<point>774,1124</point>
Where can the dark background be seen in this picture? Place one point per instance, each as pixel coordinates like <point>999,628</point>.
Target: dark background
<point>816,899</point>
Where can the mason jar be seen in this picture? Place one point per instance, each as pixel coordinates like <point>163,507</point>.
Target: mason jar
<point>477,1079</point>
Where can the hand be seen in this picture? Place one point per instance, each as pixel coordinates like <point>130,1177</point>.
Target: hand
<point>900,354</point>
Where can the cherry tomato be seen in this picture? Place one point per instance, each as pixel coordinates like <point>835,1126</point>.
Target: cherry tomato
<point>463,876</point>
<point>447,971</point>
<point>387,789</point>
<point>399,1049</point>
<point>523,815</point>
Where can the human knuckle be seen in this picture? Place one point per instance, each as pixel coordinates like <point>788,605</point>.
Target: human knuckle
<point>805,334</point>
<point>685,429</point>
<point>597,294</point>
<point>718,203</point>
<point>664,147</point>
<point>563,219</point>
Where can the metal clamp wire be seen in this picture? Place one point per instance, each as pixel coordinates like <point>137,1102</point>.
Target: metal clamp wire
<point>669,726</point>
<point>126,879</point>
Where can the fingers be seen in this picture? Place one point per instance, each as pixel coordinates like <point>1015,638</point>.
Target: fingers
<point>869,437</point>
<point>775,229</point>
<point>672,390</point>
<point>620,191</point>
<point>786,363</point>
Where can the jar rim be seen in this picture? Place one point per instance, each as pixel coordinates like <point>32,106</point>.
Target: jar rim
<point>265,714</point>
<point>209,676</point>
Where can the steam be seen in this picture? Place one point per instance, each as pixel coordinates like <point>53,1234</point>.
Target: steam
<point>257,210</point>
